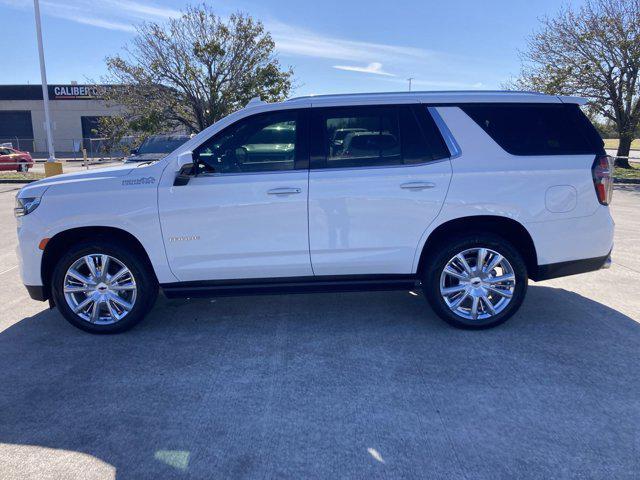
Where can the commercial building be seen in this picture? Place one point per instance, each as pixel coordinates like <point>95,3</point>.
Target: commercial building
<point>75,113</point>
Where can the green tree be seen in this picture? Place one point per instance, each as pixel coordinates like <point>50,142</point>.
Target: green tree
<point>594,52</point>
<point>194,70</point>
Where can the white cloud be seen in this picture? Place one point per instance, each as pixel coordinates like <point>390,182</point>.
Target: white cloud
<point>293,40</point>
<point>142,10</point>
<point>119,15</point>
<point>431,69</point>
<point>78,15</point>
<point>374,68</point>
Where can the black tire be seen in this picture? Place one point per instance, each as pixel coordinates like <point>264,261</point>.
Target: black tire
<point>445,251</point>
<point>146,284</point>
<point>23,167</point>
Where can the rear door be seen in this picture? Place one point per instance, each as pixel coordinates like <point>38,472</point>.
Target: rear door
<point>378,178</point>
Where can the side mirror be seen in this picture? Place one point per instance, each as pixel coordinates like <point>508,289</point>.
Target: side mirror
<point>185,158</point>
<point>185,169</point>
<point>134,151</point>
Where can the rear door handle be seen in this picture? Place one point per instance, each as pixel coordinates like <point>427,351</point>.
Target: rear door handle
<point>417,185</point>
<point>284,191</point>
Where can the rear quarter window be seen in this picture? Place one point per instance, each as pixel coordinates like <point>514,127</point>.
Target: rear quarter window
<point>537,129</point>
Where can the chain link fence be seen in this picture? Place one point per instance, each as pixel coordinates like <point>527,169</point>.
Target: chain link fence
<point>93,149</point>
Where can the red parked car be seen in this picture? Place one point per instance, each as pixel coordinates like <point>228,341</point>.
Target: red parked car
<point>12,159</point>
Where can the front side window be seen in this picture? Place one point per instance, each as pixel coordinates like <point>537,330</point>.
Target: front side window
<point>261,143</point>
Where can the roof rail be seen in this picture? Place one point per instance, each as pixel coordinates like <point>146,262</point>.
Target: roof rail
<point>423,92</point>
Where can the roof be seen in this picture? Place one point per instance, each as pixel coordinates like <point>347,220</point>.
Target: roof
<point>441,97</point>
<point>437,97</point>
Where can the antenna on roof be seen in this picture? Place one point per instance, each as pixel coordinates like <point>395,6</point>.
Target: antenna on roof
<point>255,101</point>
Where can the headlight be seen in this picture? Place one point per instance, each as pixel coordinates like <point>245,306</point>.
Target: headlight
<point>25,205</point>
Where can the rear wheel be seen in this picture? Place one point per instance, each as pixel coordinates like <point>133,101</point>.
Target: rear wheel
<point>475,281</point>
<point>103,287</point>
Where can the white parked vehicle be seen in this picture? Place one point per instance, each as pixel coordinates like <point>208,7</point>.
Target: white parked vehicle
<point>464,194</point>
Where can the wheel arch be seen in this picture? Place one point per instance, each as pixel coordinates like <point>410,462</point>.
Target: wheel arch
<point>507,228</point>
<point>61,241</point>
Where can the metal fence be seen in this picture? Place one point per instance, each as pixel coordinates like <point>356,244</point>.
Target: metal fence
<point>75,148</point>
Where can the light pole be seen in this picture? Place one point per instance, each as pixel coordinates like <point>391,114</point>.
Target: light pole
<point>409,79</point>
<point>54,167</point>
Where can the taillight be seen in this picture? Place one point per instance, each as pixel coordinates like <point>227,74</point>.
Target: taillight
<point>602,171</point>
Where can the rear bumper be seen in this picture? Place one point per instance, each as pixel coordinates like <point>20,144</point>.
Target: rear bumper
<point>573,267</point>
<point>37,292</point>
<point>573,239</point>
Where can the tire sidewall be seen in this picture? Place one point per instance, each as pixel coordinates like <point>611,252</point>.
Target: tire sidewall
<point>441,256</point>
<point>145,282</point>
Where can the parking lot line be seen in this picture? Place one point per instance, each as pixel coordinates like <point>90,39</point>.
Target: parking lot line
<point>9,269</point>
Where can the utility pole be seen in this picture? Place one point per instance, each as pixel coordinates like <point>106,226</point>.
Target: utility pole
<point>52,170</point>
<point>409,79</point>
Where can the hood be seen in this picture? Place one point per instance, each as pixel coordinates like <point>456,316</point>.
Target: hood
<point>36,189</point>
<point>145,157</point>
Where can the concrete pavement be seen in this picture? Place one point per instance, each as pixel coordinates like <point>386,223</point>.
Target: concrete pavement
<point>353,385</point>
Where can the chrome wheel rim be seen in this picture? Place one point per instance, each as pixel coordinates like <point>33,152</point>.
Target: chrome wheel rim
<point>100,289</point>
<point>477,284</point>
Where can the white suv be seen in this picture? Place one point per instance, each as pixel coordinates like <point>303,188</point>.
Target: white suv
<point>464,194</point>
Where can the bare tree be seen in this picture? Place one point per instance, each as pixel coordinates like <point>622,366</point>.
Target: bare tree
<point>195,69</point>
<point>594,52</point>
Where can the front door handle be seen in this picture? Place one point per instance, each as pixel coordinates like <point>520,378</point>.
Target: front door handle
<point>417,185</point>
<point>284,191</point>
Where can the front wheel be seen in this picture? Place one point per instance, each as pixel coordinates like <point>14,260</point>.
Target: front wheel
<point>103,287</point>
<point>475,281</point>
<point>23,167</point>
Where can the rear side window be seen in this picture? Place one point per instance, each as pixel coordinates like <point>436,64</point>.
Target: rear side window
<point>347,137</point>
<point>361,137</point>
<point>537,129</point>
<point>421,139</point>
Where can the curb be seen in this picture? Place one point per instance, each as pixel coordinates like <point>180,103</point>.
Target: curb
<point>16,180</point>
<point>628,181</point>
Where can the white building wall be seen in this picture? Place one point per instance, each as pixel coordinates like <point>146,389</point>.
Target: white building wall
<point>65,116</point>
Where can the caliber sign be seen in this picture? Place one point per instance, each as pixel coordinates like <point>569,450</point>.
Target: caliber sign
<point>73,92</point>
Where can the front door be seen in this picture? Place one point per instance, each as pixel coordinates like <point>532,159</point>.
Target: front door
<point>379,176</point>
<point>245,214</point>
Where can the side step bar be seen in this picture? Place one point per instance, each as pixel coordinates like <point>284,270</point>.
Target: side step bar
<point>275,286</point>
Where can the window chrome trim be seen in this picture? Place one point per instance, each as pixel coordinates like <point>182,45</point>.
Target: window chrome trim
<point>448,137</point>
<point>378,167</point>
<point>237,174</point>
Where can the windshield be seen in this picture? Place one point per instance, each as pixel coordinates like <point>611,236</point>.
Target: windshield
<point>161,144</point>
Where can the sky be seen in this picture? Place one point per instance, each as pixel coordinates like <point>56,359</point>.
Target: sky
<point>334,46</point>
